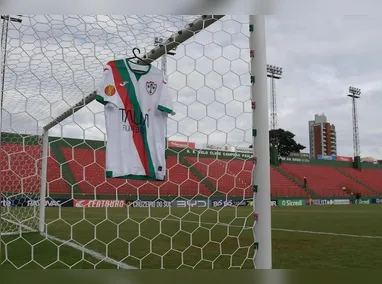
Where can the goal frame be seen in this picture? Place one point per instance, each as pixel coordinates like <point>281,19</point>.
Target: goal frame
<point>260,140</point>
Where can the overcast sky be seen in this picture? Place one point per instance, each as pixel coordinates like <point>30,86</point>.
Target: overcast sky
<point>321,57</point>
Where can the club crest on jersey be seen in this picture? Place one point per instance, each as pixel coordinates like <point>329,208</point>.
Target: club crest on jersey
<point>151,87</point>
<point>110,90</point>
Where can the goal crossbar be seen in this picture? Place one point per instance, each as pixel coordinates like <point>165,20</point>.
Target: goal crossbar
<point>172,42</point>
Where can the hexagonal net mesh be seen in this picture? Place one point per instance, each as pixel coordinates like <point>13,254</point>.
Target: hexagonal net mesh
<point>201,216</point>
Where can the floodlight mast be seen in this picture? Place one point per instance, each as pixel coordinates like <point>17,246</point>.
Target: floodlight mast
<point>355,93</point>
<point>172,42</point>
<point>274,72</point>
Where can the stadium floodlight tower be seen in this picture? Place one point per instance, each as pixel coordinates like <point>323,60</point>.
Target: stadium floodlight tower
<point>355,93</point>
<point>274,73</point>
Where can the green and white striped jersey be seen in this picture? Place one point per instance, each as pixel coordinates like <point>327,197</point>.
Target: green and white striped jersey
<point>137,103</point>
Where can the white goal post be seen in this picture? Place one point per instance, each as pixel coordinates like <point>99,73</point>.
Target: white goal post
<point>65,54</point>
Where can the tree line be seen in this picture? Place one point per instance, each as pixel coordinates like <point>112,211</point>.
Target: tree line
<point>284,141</point>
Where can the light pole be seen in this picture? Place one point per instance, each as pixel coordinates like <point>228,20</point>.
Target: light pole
<point>274,73</point>
<point>355,93</point>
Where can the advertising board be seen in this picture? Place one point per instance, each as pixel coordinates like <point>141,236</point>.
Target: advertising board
<point>300,155</point>
<point>79,203</point>
<point>48,203</point>
<point>5,202</point>
<point>318,202</point>
<point>377,201</point>
<point>28,202</point>
<point>143,203</point>
<point>325,157</point>
<point>273,203</point>
<point>344,159</point>
<point>190,203</point>
<point>323,202</point>
<point>223,203</point>
<point>218,147</point>
<point>363,201</point>
<point>291,202</point>
<point>180,144</point>
<point>341,202</point>
<point>244,150</point>
<point>295,159</point>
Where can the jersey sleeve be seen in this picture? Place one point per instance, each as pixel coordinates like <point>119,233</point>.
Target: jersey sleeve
<point>106,90</point>
<point>165,102</point>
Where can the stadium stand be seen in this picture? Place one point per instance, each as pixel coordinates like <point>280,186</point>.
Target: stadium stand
<point>325,180</point>
<point>21,168</point>
<point>81,170</point>
<point>371,177</point>
<point>87,167</point>
<point>284,187</point>
<point>221,174</point>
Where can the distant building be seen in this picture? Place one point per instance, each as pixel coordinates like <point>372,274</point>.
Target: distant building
<point>322,137</point>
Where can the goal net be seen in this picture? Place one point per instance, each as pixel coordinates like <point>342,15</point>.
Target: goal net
<point>58,209</point>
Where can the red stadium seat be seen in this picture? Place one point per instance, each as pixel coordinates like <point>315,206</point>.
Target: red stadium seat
<point>325,180</point>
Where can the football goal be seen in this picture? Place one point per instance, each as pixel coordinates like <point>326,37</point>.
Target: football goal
<point>57,207</point>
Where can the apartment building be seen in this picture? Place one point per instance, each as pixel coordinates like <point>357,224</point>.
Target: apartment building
<point>322,137</point>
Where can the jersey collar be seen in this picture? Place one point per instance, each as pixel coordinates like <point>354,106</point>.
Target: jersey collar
<point>131,65</point>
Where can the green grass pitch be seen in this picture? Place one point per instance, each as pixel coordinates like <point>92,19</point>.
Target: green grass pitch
<point>302,237</point>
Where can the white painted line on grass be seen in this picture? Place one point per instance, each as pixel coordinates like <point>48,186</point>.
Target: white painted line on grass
<point>277,229</point>
<point>251,227</point>
<point>93,253</point>
<point>205,223</point>
<point>90,252</point>
<point>327,233</point>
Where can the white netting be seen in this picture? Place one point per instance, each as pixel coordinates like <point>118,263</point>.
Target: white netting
<point>20,183</point>
<point>52,63</point>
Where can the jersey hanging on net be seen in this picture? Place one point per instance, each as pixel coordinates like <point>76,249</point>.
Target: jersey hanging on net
<point>137,103</point>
